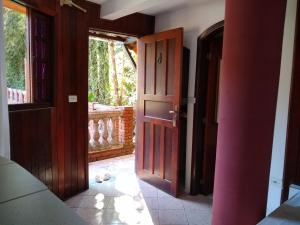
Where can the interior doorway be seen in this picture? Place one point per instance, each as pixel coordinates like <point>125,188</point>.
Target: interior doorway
<point>161,89</point>
<point>206,111</point>
<point>111,96</point>
<point>162,61</point>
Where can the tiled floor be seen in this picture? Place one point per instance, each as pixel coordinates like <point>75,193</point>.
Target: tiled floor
<point>126,200</point>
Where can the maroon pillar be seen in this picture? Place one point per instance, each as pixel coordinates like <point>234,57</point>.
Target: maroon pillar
<point>248,93</point>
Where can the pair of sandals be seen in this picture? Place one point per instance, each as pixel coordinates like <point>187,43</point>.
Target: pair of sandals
<point>102,177</point>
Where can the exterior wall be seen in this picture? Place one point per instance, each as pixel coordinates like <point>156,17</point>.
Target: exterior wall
<point>279,141</point>
<point>195,19</point>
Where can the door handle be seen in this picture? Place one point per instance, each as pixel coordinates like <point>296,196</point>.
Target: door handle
<point>175,115</point>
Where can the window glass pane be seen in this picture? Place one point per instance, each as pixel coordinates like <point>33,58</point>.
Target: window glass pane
<point>15,32</point>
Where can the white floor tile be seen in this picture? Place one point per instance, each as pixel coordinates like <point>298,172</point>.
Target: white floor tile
<point>198,217</point>
<point>126,200</point>
<point>172,217</point>
<point>169,203</point>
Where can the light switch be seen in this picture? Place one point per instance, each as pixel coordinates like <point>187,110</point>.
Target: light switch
<point>72,98</point>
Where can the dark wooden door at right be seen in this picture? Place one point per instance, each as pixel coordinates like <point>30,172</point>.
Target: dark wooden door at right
<point>210,119</point>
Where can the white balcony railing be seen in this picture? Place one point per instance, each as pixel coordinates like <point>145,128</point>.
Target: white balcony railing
<point>111,131</point>
<point>16,96</point>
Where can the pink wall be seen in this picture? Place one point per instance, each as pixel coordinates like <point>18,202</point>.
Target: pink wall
<point>249,85</point>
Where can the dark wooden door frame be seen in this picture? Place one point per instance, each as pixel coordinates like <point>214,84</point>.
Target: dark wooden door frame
<point>291,173</point>
<point>199,107</point>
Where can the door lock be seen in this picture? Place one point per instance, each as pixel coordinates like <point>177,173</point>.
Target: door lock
<point>175,113</point>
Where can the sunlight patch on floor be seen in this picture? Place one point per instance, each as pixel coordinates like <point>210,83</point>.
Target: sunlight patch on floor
<point>126,200</point>
<point>132,211</point>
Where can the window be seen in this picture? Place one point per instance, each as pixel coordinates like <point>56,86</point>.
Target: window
<point>15,35</point>
<point>28,54</point>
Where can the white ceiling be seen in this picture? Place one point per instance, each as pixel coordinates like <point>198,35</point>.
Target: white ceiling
<point>114,9</point>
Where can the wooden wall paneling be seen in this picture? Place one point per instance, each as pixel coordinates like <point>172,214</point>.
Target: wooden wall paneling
<point>55,172</point>
<point>136,24</point>
<point>74,70</point>
<point>67,71</point>
<point>62,130</point>
<point>44,6</point>
<point>32,147</point>
<point>82,115</point>
<point>59,102</point>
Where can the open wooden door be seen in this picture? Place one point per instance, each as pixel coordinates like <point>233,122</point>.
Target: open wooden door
<point>158,107</point>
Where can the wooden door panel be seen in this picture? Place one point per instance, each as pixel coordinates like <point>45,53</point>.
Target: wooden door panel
<point>168,154</point>
<point>149,68</point>
<point>159,95</point>
<point>170,68</point>
<point>160,87</point>
<point>156,152</point>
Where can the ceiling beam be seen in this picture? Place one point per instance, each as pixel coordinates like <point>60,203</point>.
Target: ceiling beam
<point>114,9</point>
<point>134,25</point>
<point>106,37</point>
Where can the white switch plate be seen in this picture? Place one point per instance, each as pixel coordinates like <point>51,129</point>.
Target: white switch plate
<point>72,98</point>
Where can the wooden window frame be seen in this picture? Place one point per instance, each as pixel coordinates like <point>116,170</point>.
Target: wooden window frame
<point>30,81</point>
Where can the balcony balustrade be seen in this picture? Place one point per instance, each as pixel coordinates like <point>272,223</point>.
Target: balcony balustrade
<point>111,131</point>
<point>16,96</point>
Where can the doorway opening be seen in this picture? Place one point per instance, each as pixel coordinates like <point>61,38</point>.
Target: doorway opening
<point>112,97</point>
<point>161,105</point>
<point>206,110</point>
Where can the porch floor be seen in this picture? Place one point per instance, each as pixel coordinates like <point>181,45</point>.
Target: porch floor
<point>126,200</point>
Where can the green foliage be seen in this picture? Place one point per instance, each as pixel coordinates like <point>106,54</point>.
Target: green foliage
<point>100,82</point>
<point>91,97</point>
<point>129,85</point>
<point>15,47</point>
<point>126,75</point>
<point>99,87</point>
